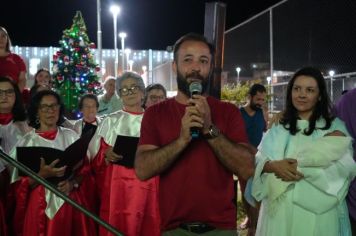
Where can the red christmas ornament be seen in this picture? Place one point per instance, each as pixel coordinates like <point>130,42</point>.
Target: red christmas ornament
<point>59,53</point>
<point>55,57</point>
<point>77,49</point>
<point>92,45</point>
<point>97,69</point>
<point>60,78</point>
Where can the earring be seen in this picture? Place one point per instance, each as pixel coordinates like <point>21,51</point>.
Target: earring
<point>37,121</point>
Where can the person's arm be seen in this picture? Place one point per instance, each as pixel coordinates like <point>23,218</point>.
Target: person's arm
<point>152,160</point>
<point>238,158</point>
<point>22,81</point>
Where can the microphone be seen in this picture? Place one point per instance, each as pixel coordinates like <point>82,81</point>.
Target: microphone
<point>195,88</point>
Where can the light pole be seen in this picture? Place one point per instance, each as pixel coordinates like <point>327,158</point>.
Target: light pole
<point>115,10</point>
<point>144,75</point>
<point>127,52</point>
<point>122,36</point>
<point>238,69</point>
<point>131,62</point>
<point>269,79</point>
<point>99,36</point>
<point>331,73</point>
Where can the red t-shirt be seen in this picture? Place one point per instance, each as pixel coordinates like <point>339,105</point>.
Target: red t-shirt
<point>197,187</point>
<point>11,66</point>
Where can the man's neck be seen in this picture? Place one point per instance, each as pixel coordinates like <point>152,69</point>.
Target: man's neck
<point>182,98</point>
<point>249,110</point>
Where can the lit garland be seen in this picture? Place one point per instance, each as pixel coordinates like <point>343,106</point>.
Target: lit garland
<point>74,68</point>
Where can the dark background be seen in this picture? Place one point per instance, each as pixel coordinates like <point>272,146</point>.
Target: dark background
<point>150,24</point>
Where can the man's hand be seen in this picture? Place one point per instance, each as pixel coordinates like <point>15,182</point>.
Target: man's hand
<point>203,110</point>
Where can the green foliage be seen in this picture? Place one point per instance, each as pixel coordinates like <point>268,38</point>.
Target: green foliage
<point>235,93</point>
<point>74,67</point>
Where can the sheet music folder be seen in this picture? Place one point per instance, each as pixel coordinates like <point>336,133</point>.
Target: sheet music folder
<point>73,156</point>
<point>126,146</point>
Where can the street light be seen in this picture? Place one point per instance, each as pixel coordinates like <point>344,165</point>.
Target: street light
<point>269,80</point>
<point>144,75</point>
<point>99,36</point>
<point>123,35</point>
<point>115,10</point>
<point>127,52</point>
<point>331,73</point>
<point>238,69</point>
<point>131,62</point>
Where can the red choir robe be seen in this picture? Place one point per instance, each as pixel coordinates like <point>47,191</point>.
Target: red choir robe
<point>3,180</point>
<point>127,203</point>
<point>40,212</point>
<point>10,133</point>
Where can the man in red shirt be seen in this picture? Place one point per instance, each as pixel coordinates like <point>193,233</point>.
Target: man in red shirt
<point>196,185</point>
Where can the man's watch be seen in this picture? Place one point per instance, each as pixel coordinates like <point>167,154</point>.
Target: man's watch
<point>212,133</point>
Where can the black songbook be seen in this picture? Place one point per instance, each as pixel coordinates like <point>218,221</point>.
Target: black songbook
<point>126,146</point>
<point>73,157</point>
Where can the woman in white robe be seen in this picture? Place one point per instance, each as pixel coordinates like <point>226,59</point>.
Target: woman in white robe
<point>127,203</point>
<point>88,106</point>
<point>12,127</point>
<point>304,165</point>
<point>39,211</point>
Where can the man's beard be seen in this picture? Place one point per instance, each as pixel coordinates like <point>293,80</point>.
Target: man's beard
<point>183,84</point>
<point>255,106</point>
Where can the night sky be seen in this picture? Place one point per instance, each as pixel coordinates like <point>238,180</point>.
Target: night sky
<point>150,24</point>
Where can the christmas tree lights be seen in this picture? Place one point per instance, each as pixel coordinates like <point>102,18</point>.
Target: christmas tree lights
<point>74,67</point>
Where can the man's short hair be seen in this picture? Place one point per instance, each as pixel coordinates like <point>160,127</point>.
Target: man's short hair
<point>256,88</point>
<point>192,37</point>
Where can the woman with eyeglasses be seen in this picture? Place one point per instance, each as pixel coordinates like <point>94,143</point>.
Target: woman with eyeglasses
<point>130,205</point>
<point>12,127</point>
<point>39,211</point>
<point>155,93</point>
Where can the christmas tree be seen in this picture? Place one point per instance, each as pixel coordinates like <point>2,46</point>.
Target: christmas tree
<point>74,68</point>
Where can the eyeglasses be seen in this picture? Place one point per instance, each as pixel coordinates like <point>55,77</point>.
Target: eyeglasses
<point>7,92</point>
<point>126,91</point>
<point>46,108</point>
<point>155,97</point>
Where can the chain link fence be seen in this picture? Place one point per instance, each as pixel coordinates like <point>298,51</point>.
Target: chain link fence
<point>292,34</point>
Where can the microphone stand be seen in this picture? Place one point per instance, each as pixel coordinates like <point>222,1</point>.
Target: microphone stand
<point>50,187</point>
